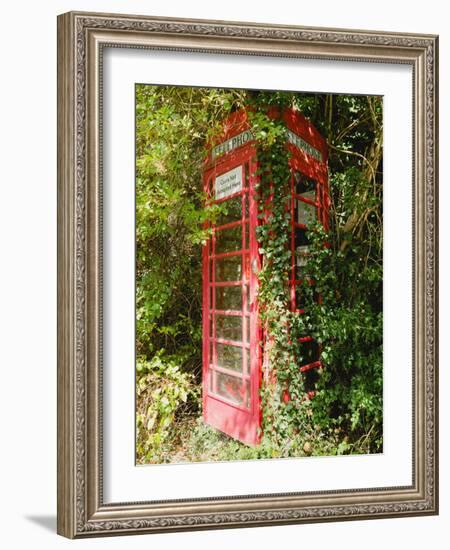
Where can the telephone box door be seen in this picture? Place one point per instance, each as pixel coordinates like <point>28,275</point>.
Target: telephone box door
<point>231,355</point>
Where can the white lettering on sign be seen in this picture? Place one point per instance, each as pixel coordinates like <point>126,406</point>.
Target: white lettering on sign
<point>303,145</point>
<point>247,135</point>
<point>228,183</point>
<point>232,143</point>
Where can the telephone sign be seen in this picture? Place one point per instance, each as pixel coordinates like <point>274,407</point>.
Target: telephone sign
<point>228,183</point>
<point>230,144</point>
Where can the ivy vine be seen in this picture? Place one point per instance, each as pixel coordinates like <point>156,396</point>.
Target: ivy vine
<point>283,388</point>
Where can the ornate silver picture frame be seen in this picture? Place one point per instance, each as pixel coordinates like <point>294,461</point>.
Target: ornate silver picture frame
<point>82,510</point>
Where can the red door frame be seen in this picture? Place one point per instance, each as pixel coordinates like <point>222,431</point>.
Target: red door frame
<point>238,421</point>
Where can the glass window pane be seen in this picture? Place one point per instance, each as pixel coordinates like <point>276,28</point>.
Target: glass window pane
<point>210,380</point>
<point>301,257</point>
<point>305,213</point>
<point>232,388</point>
<point>301,252</point>
<point>232,211</point>
<point>248,330</point>
<point>301,273</point>
<point>229,327</point>
<point>247,289</point>
<point>299,298</point>
<point>229,297</point>
<point>229,268</point>
<point>303,183</point>
<point>247,271</point>
<point>310,379</point>
<point>309,352</point>
<point>301,237</point>
<point>229,240</point>
<point>211,352</point>
<point>310,195</point>
<point>229,357</point>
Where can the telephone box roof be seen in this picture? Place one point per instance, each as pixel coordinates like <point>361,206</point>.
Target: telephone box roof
<point>301,134</point>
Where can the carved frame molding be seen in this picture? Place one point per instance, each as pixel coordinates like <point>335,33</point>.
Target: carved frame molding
<point>81,39</point>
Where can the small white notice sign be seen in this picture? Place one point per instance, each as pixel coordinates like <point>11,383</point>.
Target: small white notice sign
<point>228,183</point>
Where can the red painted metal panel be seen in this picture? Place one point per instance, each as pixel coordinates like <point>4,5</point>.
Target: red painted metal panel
<point>232,420</point>
<point>233,406</point>
<point>310,366</point>
<point>231,343</point>
<point>228,254</point>
<point>230,312</point>
<point>225,283</point>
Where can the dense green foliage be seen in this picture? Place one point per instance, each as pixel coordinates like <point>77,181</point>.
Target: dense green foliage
<point>346,414</point>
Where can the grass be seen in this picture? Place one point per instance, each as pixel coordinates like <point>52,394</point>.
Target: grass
<point>195,441</point>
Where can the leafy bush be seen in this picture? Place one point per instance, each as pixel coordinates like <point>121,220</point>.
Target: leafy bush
<point>349,325</point>
<point>164,393</point>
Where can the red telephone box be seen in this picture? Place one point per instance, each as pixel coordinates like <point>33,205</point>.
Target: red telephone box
<point>232,334</point>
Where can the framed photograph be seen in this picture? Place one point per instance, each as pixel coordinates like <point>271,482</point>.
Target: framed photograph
<point>247,284</point>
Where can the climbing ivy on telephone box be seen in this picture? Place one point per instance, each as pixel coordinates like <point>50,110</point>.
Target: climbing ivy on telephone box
<point>268,171</point>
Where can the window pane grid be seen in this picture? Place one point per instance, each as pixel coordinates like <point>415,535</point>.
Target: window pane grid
<point>230,299</point>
